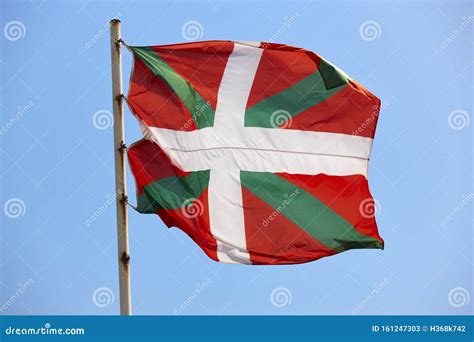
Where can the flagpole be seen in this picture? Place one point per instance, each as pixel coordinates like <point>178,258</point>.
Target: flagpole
<point>120,181</point>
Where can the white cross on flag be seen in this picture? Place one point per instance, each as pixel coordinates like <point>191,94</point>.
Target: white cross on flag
<point>258,151</point>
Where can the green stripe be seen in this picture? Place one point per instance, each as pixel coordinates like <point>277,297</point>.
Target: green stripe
<point>313,89</point>
<point>200,109</point>
<point>171,192</point>
<point>332,76</point>
<point>306,211</point>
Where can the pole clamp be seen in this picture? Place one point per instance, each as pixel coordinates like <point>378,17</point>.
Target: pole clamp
<point>123,148</point>
<point>121,97</point>
<point>119,42</point>
<point>124,199</point>
<point>125,258</point>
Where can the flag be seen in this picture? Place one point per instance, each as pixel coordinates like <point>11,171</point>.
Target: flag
<point>257,151</point>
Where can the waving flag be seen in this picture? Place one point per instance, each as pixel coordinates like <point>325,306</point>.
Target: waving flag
<point>258,151</point>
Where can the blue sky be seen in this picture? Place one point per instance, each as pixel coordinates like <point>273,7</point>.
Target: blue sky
<point>58,235</point>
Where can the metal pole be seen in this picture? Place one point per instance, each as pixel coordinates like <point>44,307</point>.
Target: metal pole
<point>120,182</point>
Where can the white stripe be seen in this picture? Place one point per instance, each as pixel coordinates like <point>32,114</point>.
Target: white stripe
<point>267,161</point>
<point>264,139</point>
<point>235,87</point>
<point>226,213</point>
<point>249,43</point>
<point>227,216</point>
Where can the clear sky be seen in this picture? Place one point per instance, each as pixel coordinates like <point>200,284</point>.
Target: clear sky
<point>58,235</point>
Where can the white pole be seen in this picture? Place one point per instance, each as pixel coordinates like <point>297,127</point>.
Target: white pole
<point>120,182</point>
